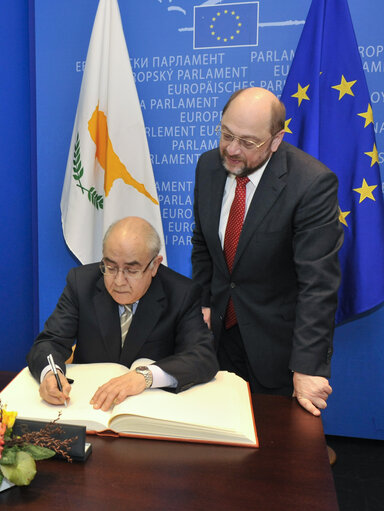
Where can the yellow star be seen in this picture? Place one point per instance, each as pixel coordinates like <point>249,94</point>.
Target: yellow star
<point>286,129</point>
<point>342,216</point>
<point>301,93</point>
<point>374,155</point>
<point>368,116</point>
<point>365,191</point>
<point>344,87</point>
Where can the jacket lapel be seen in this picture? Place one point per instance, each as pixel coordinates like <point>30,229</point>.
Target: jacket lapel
<point>148,312</point>
<point>107,313</point>
<point>219,177</point>
<point>270,187</point>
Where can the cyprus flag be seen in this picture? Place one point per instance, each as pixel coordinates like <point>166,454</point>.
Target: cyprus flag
<point>109,173</point>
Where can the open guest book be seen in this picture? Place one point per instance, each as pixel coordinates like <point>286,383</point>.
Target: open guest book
<point>219,411</point>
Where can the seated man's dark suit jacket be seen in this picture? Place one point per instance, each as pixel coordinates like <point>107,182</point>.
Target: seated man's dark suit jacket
<point>167,327</point>
<point>285,275</point>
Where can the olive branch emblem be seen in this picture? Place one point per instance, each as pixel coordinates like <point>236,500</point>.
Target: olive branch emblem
<point>96,199</point>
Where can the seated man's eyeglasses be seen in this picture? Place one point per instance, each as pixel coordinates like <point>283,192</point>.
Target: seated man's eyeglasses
<point>246,143</point>
<point>129,272</point>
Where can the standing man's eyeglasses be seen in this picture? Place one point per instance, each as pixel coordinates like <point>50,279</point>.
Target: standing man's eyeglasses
<point>246,143</point>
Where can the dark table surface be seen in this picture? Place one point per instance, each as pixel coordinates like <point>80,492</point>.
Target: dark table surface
<point>290,471</point>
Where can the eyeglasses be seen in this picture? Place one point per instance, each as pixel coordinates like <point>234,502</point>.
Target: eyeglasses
<point>128,273</point>
<point>246,143</point>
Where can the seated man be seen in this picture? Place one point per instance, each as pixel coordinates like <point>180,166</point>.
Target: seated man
<point>166,326</point>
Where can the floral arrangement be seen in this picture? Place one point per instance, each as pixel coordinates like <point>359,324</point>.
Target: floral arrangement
<point>19,453</point>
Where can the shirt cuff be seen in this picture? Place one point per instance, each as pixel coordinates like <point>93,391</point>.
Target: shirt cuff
<point>46,370</point>
<point>161,378</point>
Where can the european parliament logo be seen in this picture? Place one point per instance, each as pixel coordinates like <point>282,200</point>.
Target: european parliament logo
<point>226,25</point>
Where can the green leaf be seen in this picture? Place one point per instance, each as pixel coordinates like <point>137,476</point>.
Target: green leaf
<point>78,176</point>
<point>9,455</point>
<point>22,472</point>
<point>8,434</point>
<point>95,198</point>
<point>37,452</point>
<point>78,168</point>
<point>1,477</point>
<point>78,171</point>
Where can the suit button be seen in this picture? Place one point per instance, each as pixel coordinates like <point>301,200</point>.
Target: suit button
<point>233,285</point>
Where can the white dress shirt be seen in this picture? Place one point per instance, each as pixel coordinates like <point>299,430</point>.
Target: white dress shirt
<point>229,195</point>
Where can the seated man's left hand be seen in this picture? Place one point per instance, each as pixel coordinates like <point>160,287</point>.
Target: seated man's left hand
<point>116,390</point>
<point>311,392</point>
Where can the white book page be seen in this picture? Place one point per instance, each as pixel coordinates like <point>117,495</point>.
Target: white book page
<point>222,403</point>
<point>22,395</point>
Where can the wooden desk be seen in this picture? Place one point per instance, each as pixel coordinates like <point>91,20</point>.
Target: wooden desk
<point>290,471</point>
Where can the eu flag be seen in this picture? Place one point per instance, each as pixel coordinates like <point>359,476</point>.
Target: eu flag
<point>329,116</point>
<point>226,25</point>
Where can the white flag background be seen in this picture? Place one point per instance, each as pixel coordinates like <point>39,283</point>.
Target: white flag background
<point>109,173</point>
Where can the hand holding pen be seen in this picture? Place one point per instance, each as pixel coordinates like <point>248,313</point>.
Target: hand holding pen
<point>56,390</point>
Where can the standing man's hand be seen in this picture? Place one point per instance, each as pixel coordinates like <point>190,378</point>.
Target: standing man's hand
<point>49,391</point>
<point>207,316</point>
<point>311,392</point>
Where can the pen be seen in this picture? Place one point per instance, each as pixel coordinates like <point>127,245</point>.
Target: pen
<point>54,370</point>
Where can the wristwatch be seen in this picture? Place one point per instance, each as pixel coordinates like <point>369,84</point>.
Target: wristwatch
<point>147,375</point>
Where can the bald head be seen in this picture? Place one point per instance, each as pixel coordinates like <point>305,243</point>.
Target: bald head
<point>259,105</point>
<point>134,230</point>
<point>131,247</point>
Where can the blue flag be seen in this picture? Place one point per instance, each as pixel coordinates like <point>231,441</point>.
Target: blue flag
<point>329,116</point>
<point>226,25</point>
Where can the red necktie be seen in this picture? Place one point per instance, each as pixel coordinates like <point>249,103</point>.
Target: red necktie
<point>232,235</point>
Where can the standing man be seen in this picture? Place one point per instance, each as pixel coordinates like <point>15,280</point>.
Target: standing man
<point>265,249</point>
<point>127,307</point>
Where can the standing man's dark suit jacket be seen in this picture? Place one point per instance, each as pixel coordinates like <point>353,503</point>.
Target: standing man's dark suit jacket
<point>286,272</point>
<point>167,327</point>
